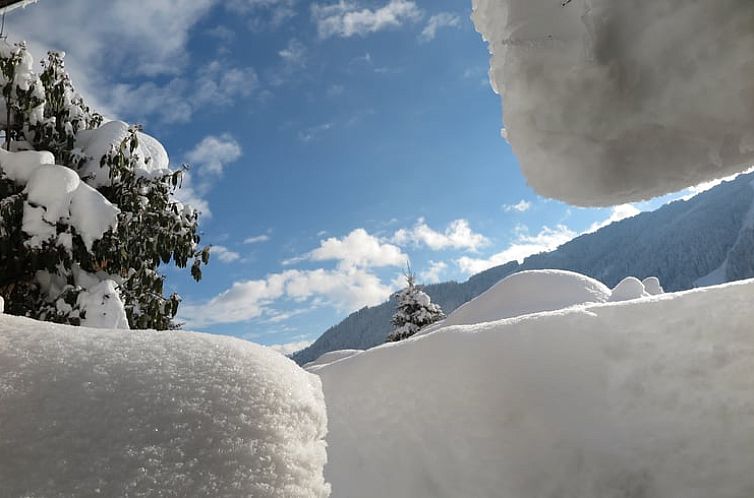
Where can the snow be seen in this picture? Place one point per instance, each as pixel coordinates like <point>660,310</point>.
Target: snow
<point>627,289</point>
<point>528,292</point>
<point>331,357</point>
<point>103,307</point>
<point>607,101</point>
<point>52,187</point>
<point>92,214</point>
<point>98,142</point>
<point>55,193</point>
<point>652,286</point>
<point>97,412</point>
<point>646,398</point>
<point>19,166</point>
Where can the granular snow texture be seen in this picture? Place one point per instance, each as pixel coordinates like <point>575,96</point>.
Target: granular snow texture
<point>89,412</point>
<point>641,399</point>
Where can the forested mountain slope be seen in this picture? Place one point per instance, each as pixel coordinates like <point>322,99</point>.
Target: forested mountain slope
<point>705,240</point>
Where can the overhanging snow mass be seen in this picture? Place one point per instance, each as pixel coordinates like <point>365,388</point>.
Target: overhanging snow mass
<point>607,101</point>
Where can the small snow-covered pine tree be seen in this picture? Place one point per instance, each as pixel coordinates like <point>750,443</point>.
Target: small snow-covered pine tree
<point>414,310</point>
<point>87,212</point>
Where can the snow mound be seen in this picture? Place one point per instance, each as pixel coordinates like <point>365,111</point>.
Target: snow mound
<point>92,214</point>
<point>528,292</point>
<point>97,143</point>
<point>331,357</point>
<point>607,101</point>
<point>649,398</point>
<point>104,308</point>
<point>652,286</point>
<point>627,289</point>
<point>90,412</point>
<point>20,166</point>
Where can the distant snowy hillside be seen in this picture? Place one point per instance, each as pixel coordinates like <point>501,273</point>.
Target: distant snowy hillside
<point>650,398</point>
<point>710,235</point>
<point>527,292</point>
<point>92,412</point>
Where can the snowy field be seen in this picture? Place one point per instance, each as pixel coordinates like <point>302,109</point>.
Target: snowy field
<point>647,398</point>
<point>88,412</point>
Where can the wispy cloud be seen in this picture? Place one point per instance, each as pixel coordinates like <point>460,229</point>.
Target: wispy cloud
<point>524,245</point>
<point>312,133</point>
<point>350,285</point>
<point>218,84</point>
<point>617,213</point>
<point>520,207</point>
<point>457,235</point>
<point>257,239</point>
<point>345,19</point>
<point>437,22</point>
<point>291,347</point>
<point>224,254</point>
<point>433,274</point>
<point>207,161</point>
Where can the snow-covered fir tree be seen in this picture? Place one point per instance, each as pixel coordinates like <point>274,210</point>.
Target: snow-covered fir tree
<point>87,213</point>
<point>414,310</point>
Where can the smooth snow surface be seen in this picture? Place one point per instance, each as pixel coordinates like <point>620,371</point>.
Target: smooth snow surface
<point>642,399</point>
<point>528,292</point>
<point>19,166</point>
<point>652,286</point>
<point>331,357</point>
<point>89,412</point>
<point>92,214</point>
<point>627,289</point>
<point>608,101</point>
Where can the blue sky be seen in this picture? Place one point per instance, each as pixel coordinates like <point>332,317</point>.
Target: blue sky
<point>328,142</point>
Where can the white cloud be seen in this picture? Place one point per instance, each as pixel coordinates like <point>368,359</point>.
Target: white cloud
<point>291,347</point>
<point>314,132</point>
<point>524,245</point>
<point>358,249</point>
<point>439,21</point>
<point>294,54</point>
<point>617,213</point>
<point>224,254</point>
<point>207,161</point>
<point>457,235</point>
<point>266,14</point>
<point>256,239</point>
<point>520,207</point>
<point>347,287</point>
<point>188,195</point>
<point>213,153</point>
<point>346,19</point>
<point>217,84</point>
<point>151,39</point>
<point>433,274</point>
<point>110,40</point>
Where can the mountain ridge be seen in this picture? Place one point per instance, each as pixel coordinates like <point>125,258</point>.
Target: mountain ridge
<point>707,239</point>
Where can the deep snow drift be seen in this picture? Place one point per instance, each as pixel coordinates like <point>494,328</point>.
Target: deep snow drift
<point>643,399</point>
<point>528,292</point>
<point>608,101</point>
<point>89,412</point>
